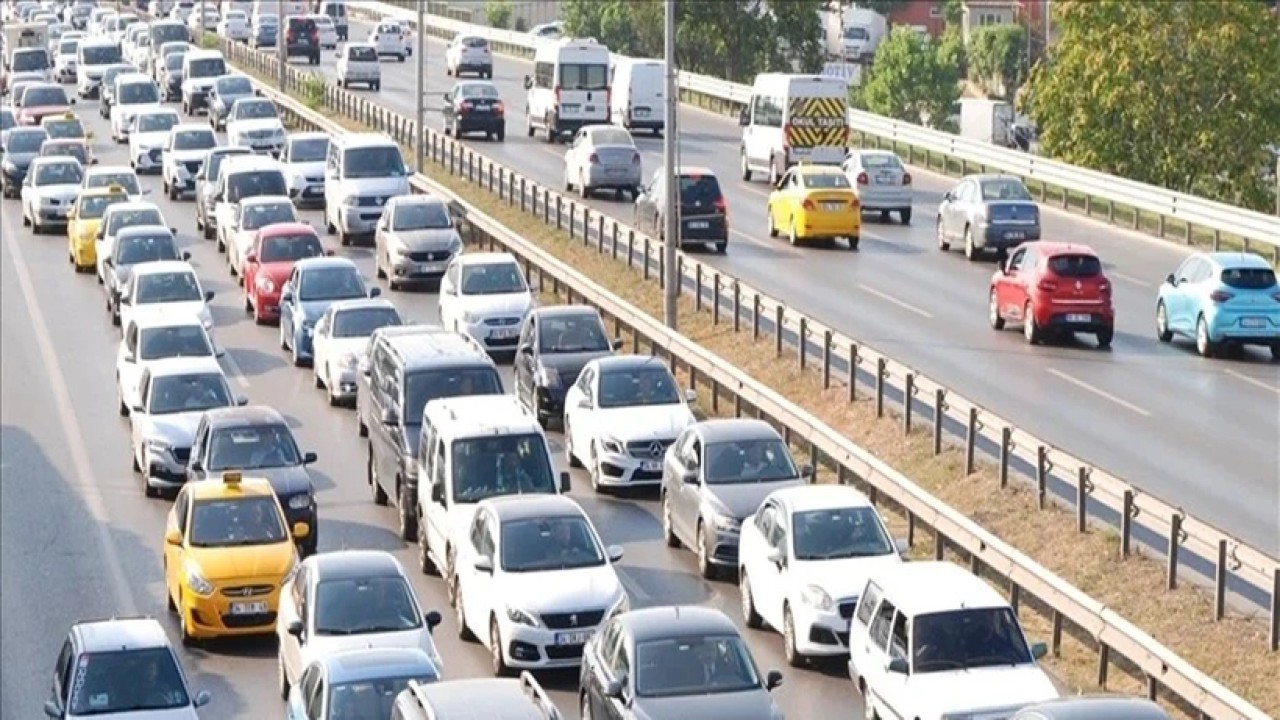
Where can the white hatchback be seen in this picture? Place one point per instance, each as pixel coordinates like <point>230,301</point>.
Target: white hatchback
<point>485,295</point>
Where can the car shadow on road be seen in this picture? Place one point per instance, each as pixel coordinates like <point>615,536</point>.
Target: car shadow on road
<point>347,535</point>
<point>620,522</point>
<point>320,480</point>
<point>253,362</point>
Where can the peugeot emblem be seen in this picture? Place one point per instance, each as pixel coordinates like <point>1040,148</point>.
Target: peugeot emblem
<point>655,449</point>
<point>573,620</point>
<point>382,201</point>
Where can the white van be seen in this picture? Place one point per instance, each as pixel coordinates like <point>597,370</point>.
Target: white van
<point>569,87</point>
<point>337,11</point>
<point>793,119</point>
<point>638,94</point>
<point>361,173</point>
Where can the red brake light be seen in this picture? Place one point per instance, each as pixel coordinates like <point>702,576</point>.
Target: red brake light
<point>863,178</point>
<point>465,106</point>
<point>1220,296</point>
<point>499,108</point>
<point>1104,288</point>
<point>593,159</point>
<point>1047,285</point>
<point>721,205</point>
<point>906,178</point>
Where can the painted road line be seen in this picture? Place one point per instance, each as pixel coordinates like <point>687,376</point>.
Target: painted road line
<point>891,299</point>
<point>1099,392</point>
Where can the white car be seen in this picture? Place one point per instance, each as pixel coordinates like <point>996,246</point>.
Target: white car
<point>327,30</point>
<point>134,93</point>
<point>183,154</point>
<point>169,286</point>
<point>345,600</point>
<point>535,575</point>
<point>255,124</point>
<point>156,338</point>
<point>358,64</point>
<point>390,40</point>
<point>118,217</point>
<point>255,213</point>
<point>148,134</point>
<point>234,26</point>
<point>49,191</point>
<point>182,12</point>
<point>161,56</point>
<point>93,57</point>
<point>65,61</point>
<point>207,21</point>
<point>485,295</point>
<point>468,54</point>
<point>303,164</point>
<point>129,46</point>
<point>803,557</point>
<point>621,416</point>
<point>340,342</point>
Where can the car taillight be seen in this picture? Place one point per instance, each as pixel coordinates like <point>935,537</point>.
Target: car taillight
<point>906,178</point>
<point>809,205</point>
<point>1104,288</point>
<point>721,205</point>
<point>1047,285</point>
<point>465,107</point>
<point>863,178</point>
<point>499,108</point>
<point>593,159</point>
<point>1220,296</point>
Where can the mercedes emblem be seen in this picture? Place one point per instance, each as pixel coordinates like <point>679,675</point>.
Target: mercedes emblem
<point>655,449</point>
<point>382,201</point>
<point>1078,285</point>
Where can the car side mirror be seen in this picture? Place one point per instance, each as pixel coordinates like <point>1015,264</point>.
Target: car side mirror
<point>137,409</point>
<point>202,698</point>
<point>898,665</point>
<point>484,565</point>
<point>130,358</point>
<point>614,689</point>
<point>219,352</point>
<point>309,458</point>
<point>124,300</point>
<point>241,401</point>
<point>301,530</point>
<point>772,680</point>
<point>208,295</point>
<point>375,292</point>
<point>294,628</point>
<point>51,709</point>
<point>1039,650</point>
<point>251,257</point>
<point>615,553</point>
<point>173,536</point>
<point>902,546</point>
<point>806,471</point>
<point>437,494</point>
<point>94,161</point>
<point>73,100</point>
<point>389,417</point>
<point>616,343</point>
<point>566,483</point>
<point>526,350</point>
<point>286,296</point>
<point>447,98</point>
<point>690,477</point>
<point>691,396</point>
<point>744,117</point>
<point>328,253</point>
<point>528,83</point>
<point>195,466</point>
<point>777,557</point>
<point>1171,280</point>
<point>433,620</point>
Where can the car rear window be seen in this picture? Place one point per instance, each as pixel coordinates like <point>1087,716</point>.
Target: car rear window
<point>475,42</point>
<point>1075,265</point>
<point>699,189</point>
<point>825,181</point>
<point>1249,278</point>
<point>362,54</point>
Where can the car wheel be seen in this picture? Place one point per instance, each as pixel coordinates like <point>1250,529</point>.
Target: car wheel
<point>584,191</point>
<point>500,667</point>
<point>282,679</point>
<point>425,564</point>
<point>905,216</point>
<point>1104,338</point>
<point>993,312</point>
<point>1030,330</point>
<point>794,658</point>
<point>943,244</point>
<point>668,529</point>
<point>773,229</point>
<point>749,614</point>
<point>791,234</point>
<point>971,251</point>
<point>568,447</point>
<point>1275,351</point>
<point>408,519</point>
<point>1163,333</point>
<point>705,568</point>
<point>746,169</point>
<point>593,469</point>
<point>371,476</point>
<point>584,708</point>
<point>188,640</point>
<point>773,172</point>
<point>459,613</point>
<point>1204,345</point>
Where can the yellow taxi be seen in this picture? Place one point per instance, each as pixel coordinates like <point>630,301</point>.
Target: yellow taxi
<point>815,202</point>
<point>82,223</point>
<point>65,127</point>
<point>227,551</point>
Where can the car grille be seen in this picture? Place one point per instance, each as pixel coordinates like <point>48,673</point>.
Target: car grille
<point>562,621</point>
<point>243,591</point>
<point>193,166</point>
<point>502,321</point>
<point>181,454</point>
<point>646,475</point>
<point>260,134</point>
<point>372,200</point>
<point>563,652</point>
<point>428,256</point>
<point>155,154</point>
<point>846,608</point>
<point>316,179</point>
<point>251,620</point>
<point>648,449</point>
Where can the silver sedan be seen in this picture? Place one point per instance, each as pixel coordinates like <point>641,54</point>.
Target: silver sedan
<point>603,157</point>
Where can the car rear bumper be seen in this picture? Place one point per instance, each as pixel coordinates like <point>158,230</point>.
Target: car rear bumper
<point>1005,236</point>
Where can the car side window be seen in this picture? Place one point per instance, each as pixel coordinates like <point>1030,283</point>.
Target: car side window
<point>881,625</point>
<point>477,531</point>
<point>131,341</point>
<point>437,466</point>
<point>1015,261</point>
<point>322,325</point>
<point>1186,269</point>
<point>313,692</point>
<point>765,520</point>
<point>898,640</point>
<point>588,381</point>
<point>621,666</point>
<point>1202,272</point>
<point>62,672</point>
<point>202,436</point>
<point>182,507</point>
<point>487,535</point>
<point>870,596</point>
<point>1027,263</point>
<point>695,453</point>
<point>778,539</point>
<point>145,389</point>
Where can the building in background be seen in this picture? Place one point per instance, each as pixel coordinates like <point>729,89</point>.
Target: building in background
<point>926,15</point>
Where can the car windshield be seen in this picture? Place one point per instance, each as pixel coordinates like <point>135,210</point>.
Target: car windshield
<point>174,341</point>
<point>68,47</point>
<point>577,76</point>
<point>694,665</point>
<point>167,32</point>
<point>64,129</point>
<point>167,287</point>
<point>230,522</point>
<point>157,122</point>
<point>611,136</point>
<point>371,698</point>
<point>127,218</point>
<point>195,140</point>
<point>29,61</point>
<point>188,393</point>
<point>289,248</point>
<point>475,42</point>
<point>963,639</point>
<point>256,183</point>
<point>145,248</point>
<point>1249,278</point>
<point>59,173</point>
<point>699,190</point>
<point>747,461</point>
<point>492,279</point>
<point>207,67</point>
<point>126,682</point>
<point>234,86</point>
<point>423,387</point>
<point>840,533</point>
<point>259,216</point>
<point>361,322</point>
<point>880,161</point>
<point>556,543</point>
<point>1075,266</point>
<point>268,20</point>
<point>357,606</point>
<point>422,216</point>
<point>73,150</point>
<point>308,150</point>
<point>1004,189</point>
<point>26,142</point>
<point>109,77</point>
<point>253,447</point>
<point>331,283</point>
<point>373,162</point>
<point>254,110</point>
<point>138,93</point>
<point>496,466</point>
<point>478,90</point>
<point>629,387</point>
<point>571,334</point>
<point>173,61</point>
<point>126,180</point>
<point>362,54</point>
<point>825,181</point>
<point>93,207</point>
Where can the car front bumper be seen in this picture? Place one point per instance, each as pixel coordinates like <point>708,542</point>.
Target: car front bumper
<point>495,338</point>
<point>165,471</point>
<point>821,633</point>
<point>212,616</point>
<point>624,470</point>
<point>358,220</point>
<point>540,648</point>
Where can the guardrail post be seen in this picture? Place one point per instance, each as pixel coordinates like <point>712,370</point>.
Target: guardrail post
<point>1160,223</point>
<point>1015,596</point>
<point>975,564</point>
<point>631,244</point>
<point>1006,452</point>
<point>1152,687</point>
<point>939,414</point>
<point>715,397</point>
<point>971,440</point>
<point>645,259</point>
<point>1104,662</point>
<point>813,462</point>
<point>911,529</point>
<point>600,233</point>
<point>777,331</point>
<point>1055,638</point>
<point>613,249</point>
<point>522,192</point>
<point>546,206</point>
<point>715,300</point>
<point>662,268</point>
<point>1126,524</point>
<point>1042,475</point>
<point>802,340</point>
<point>1175,540</point>
<point>1084,486</point>
<point>755,318</point>
<point>908,394</point>
<point>1220,572</point>
<point>737,306</point>
<point>697,288</point>
<point>1275,609</point>
<point>881,371</point>
<point>939,545</point>
<point>737,405</point>
<point>826,359</point>
<point>635,343</point>
<point>854,361</point>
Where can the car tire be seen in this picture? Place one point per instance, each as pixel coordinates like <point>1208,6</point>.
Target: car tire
<point>905,216</point>
<point>853,242</point>
<point>943,244</point>
<point>1275,352</point>
<point>993,312</point>
<point>971,251</point>
<point>568,447</point>
<point>500,136</point>
<point>773,229</point>
<point>464,632</point>
<point>1163,333</point>
<point>750,616</point>
<point>500,667</point>
<point>593,471</point>
<point>425,563</point>
<point>1030,330</point>
<point>706,569</point>
<point>791,234</point>
<point>282,679</point>
<point>1204,345</point>
<point>1104,338</point>
<point>668,528</point>
<point>584,190</point>
<point>408,520</point>
<point>371,476</point>
<point>188,640</point>
<point>794,658</point>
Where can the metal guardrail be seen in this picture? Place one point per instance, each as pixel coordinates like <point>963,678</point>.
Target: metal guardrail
<point>1160,666</point>
<point>1102,193</point>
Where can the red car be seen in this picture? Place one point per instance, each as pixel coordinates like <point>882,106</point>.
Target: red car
<point>41,100</point>
<point>267,266</point>
<point>1053,289</point>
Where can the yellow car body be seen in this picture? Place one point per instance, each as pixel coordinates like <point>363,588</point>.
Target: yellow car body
<point>82,228</point>
<point>228,550</point>
<point>815,202</point>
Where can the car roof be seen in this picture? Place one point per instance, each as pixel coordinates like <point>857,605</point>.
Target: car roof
<point>485,258</point>
<point>1118,707</point>
<point>251,162</point>
<point>627,362</point>
<point>111,170</point>
<point>565,311</point>
<point>481,415</point>
<point>90,41</point>
<point>204,54</point>
<point>696,170</point>
<point>400,200</point>
<point>44,86</point>
<point>184,366</point>
<point>55,160</point>
<point>363,139</point>
<point>735,429</point>
<point>1051,249</point>
<point>532,507</point>
<point>244,416</point>
<point>1235,260</point>
<point>803,498</point>
<point>287,228</point>
<point>354,564</point>
<point>28,131</point>
<point>191,127</point>
<point>134,230</point>
<point>919,588</point>
<point>668,621</point>
<point>133,77</point>
<point>819,170</point>
<point>231,150</point>
<point>266,200</point>
<point>163,318</point>
<point>158,267</point>
<point>158,111</point>
<point>134,205</point>
<point>378,303</point>
<point>120,634</point>
<point>373,663</point>
<point>987,177</point>
<point>217,487</point>
<point>307,135</point>
<point>481,699</point>
<point>317,263</point>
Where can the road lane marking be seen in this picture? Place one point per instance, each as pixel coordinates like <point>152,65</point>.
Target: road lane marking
<point>1252,381</point>
<point>92,490</point>
<point>1129,279</point>
<point>234,367</point>
<point>900,303</point>
<point>1099,392</point>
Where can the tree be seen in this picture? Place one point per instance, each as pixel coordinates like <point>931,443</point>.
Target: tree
<point>1179,94</point>
<point>952,11</point>
<point>912,79</point>
<point>798,26</point>
<point>997,58</point>
<point>498,13</point>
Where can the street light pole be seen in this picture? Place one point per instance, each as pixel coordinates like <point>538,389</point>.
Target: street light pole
<point>671,213</point>
<point>282,53</point>
<point>420,137</point>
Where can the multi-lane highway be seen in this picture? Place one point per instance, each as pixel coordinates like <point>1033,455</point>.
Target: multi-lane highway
<point>79,540</point>
<point>1198,433</point>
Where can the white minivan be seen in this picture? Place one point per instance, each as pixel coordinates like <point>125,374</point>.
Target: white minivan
<point>793,119</point>
<point>569,87</point>
<point>361,173</point>
<point>637,94</point>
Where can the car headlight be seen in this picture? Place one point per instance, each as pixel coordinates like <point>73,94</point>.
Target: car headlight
<point>816,598</point>
<point>206,319</point>
<point>621,606</point>
<point>470,318</point>
<point>351,201</point>
<point>301,501</point>
<point>516,615</point>
<point>156,445</point>
<point>264,284</point>
<point>611,445</point>
<point>47,202</point>
<point>182,171</point>
<point>350,361</point>
<point>196,582</point>
<point>724,522</point>
<point>548,377</point>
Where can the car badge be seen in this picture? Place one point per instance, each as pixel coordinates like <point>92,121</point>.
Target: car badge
<point>1078,285</point>
<point>240,592</point>
<point>573,620</point>
<point>382,201</point>
<point>655,449</point>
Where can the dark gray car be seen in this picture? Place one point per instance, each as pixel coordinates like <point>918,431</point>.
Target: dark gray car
<point>225,92</point>
<point>415,240</point>
<point>714,476</point>
<point>987,212</point>
<point>21,146</point>
<point>680,662</point>
<point>555,344</point>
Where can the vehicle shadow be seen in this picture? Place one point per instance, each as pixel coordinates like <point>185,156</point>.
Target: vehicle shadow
<point>346,535</point>
<point>253,362</point>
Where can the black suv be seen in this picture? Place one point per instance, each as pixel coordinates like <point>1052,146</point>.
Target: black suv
<point>407,366</point>
<point>556,342</point>
<point>302,39</point>
<point>704,214</point>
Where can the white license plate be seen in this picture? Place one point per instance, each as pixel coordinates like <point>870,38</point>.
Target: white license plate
<point>569,108</point>
<point>651,465</point>
<point>1014,235</point>
<point>641,113</point>
<point>430,267</point>
<point>832,206</point>
<point>886,179</point>
<point>1253,322</point>
<point>248,608</point>
<point>699,225</point>
<point>589,108</point>
<point>1079,318</point>
<point>573,638</point>
<point>503,333</point>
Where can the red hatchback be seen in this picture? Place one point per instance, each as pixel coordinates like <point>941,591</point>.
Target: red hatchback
<point>268,264</point>
<point>1053,289</point>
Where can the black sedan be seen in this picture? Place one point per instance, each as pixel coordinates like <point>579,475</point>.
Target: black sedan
<point>555,344</point>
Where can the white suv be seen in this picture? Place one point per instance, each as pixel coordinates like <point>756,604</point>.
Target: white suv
<point>183,156</point>
<point>362,172</point>
<point>485,295</point>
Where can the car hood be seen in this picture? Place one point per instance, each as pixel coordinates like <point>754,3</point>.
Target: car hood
<point>558,591</point>
<point>658,422</point>
<point>353,346</point>
<point>306,169</point>
<point>842,579</point>
<point>569,365</point>
<point>228,564</point>
<point>61,192</point>
<point>176,428</point>
<point>277,271</point>
<point>433,240</point>
<point>505,304</point>
<point>229,100</point>
<point>242,126</point>
<point>754,704</point>
<point>739,500</point>
<point>21,159</point>
<point>374,187</point>
<point>285,480</point>
<point>148,140</point>
<point>182,713</point>
<point>979,689</point>
<point>123,111</point>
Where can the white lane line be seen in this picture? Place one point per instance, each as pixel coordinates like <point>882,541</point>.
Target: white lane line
<point>91,491</point>
<point>1129,279</point>
<point>1099,392</point>
<point>1253,381</point>
<point>236,372</point>
<point>891,299</point>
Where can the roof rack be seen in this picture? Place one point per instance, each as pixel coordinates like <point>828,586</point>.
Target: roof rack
<point>534,691</point>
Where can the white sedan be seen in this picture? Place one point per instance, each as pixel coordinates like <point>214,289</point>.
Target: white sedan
<point>327,30</point>
<point>168,286</point>
<point>184,153</point>
<point>486,296</point>
<point>148,134</point>
<point>390,40</point>
<point>234,26</point>
<point>49,191</point>
<point>134,92</point>
<point>340,341</point>
<point>152,339</point>
<point>253,214</point>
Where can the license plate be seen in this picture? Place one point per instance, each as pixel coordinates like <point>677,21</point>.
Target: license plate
<point>616,172</point>
<point>430,267</point>
<point>885,179</point>
<point>1079,318</point>
<point>573,638</point>
<point>699,225</point>
<point>651,465</point>
<point>832,206</point>
<point>641,112</point>
<point>570,108</point>
<point>1014,235</point>
<point>503,333</point>
<point>1253,322</point>
<point>254,608</point>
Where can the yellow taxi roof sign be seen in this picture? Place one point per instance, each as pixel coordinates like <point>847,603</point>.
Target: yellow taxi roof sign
<point>69,116</point>
<point>232,478</point>
<point>115,188</point>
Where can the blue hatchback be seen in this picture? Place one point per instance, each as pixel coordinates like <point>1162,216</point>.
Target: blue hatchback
<point>1221,299</point>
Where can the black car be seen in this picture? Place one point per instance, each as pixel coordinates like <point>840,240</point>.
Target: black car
<point>171,77</point>
<point>21,146</point>
<point>257,441</point>
<point>474,107</point>
<point>302,39</point>
<point>704,213</point>
<point>555,344</point>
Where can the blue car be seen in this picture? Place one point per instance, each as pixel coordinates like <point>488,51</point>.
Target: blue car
<point>314,285</point>
<point>361,683</point>
<point>1221,299</point>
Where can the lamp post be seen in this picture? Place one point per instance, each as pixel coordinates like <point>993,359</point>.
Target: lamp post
<point>671,213</point>
<point>420,135</point>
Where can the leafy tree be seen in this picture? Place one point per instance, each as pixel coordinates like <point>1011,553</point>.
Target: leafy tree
<point>912,79</point>
<point>1183,94</point>
<point>997,58</point>
<point>498,13</point>
<point>952,11</point>
<point>798,27</point>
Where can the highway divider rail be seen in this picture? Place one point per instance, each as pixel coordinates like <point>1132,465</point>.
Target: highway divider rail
<point>1066,604</point>
<point>1102,195</point>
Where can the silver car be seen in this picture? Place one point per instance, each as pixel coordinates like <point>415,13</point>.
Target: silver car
<point>714,476</point>
<point>1092,708</point>
<point>881,182</point>
<point>603,157</point>
<point>207,186</point>
<point>414,240</point>
<point>987,212</point>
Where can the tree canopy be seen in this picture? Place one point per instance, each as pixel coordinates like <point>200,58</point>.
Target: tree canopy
<point>913,78</point>
<point>997,57</point>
